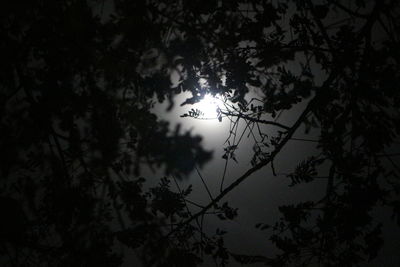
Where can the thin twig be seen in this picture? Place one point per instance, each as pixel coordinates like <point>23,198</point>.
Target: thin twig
<point>204,183</point>
<point>266,161</point>
<point>241,115</point>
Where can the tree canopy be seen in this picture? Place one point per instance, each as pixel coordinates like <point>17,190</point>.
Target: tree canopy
<point>79,80</point>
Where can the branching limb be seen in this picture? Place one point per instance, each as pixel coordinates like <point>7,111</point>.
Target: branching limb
<point>241,115</point>
<point>250,171</point>
<point>266,161</point>
<point>348,10</point>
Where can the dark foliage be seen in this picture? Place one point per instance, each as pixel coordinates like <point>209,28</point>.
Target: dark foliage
<point>79,79</point>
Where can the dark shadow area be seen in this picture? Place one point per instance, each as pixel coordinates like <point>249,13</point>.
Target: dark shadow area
<point>78,84</point>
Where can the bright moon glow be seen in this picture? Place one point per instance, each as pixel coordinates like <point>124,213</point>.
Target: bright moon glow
<point>208,106</point>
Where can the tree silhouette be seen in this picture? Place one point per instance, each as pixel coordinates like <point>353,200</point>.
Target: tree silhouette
<point>79,80</point>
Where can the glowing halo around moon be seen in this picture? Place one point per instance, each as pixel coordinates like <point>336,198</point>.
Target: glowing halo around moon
<point>208,107</point>
<point>209,104</point>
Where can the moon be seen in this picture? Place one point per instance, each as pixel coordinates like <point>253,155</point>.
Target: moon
<point>208,106</point>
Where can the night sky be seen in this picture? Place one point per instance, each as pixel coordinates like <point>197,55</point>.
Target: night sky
<point>200,133</point>
<point>259,197</point>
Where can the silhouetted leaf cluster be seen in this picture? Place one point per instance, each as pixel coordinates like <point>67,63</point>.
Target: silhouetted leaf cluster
<point>78,84</point>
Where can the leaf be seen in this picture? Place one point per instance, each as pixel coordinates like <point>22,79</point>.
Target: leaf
<point>249,259</point>
<point>321,11</point>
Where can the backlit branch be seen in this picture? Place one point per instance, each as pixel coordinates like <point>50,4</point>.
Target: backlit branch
<point>261,164</point>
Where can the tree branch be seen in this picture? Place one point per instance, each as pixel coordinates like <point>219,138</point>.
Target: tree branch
<point>349,11</point>
<point>319,96</point>
<point>241,115</point>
